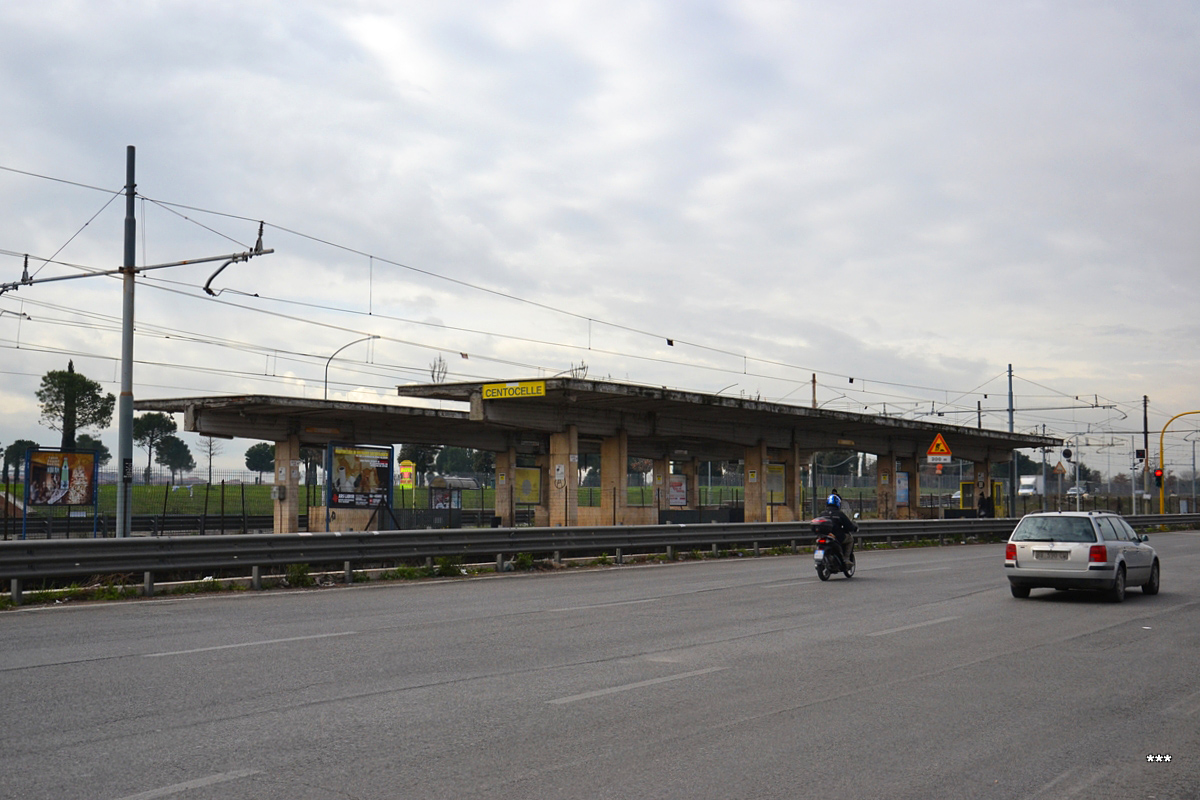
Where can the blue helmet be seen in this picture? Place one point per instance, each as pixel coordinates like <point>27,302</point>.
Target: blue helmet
<point>834,501</point>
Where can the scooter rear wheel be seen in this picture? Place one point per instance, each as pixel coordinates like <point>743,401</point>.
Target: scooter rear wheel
<point>823,571</point>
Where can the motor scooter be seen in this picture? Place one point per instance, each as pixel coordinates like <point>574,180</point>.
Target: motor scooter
<point>828,557</point>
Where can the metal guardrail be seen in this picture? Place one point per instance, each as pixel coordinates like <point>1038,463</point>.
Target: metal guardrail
<point>64,558</point>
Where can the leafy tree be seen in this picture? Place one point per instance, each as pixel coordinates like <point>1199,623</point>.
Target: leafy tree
<point>86,442</point>
<point>312,457</point>
<point>452,460</point>
<point>14,455</point>
<point>483,462</point>
<point>149,430</point>
<point>173,453</point>
<point>638,467</point>
<point>71,401</point>
<point>260,458</point>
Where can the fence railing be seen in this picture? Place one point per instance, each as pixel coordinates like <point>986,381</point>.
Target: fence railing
<point>66,558</point>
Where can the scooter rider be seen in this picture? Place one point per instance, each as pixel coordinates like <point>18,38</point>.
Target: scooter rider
<point>843,526</point>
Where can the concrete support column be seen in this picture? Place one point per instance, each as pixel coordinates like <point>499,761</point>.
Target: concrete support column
<point>564,477</point>
<point>793,486</point>
<point>885,485</point>
<point>662,468</point>
<point>506,465</point>
<point>690,470</point>
<point>908,464</point>
<point>614,478</point>
<point>756,483</point>
<point>287,483</point>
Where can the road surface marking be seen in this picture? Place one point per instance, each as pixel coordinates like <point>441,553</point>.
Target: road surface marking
<point>1186,707</point>
<point>167,791</point>
<point>630,686</point>
<point>605,605</point>
<point>914,625</point>
<point>248,644</point>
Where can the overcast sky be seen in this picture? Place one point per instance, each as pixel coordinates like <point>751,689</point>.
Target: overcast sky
<point>915,195</point>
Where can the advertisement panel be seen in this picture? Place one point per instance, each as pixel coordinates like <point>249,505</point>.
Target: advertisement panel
<point>527,485</point>
<point>61,478</point>
<point>408,474</point>
<point>776,489</point>
<point>360,476</point>
<point>677,490</point>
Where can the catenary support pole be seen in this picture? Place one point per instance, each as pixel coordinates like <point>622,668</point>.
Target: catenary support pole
<point>125,403</point>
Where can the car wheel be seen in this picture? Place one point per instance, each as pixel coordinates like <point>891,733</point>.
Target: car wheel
<point>1117,592</point>
<point>849,568</point>
<point>1151,586</point>
<point>823,571</point>
<point>1019,591</point>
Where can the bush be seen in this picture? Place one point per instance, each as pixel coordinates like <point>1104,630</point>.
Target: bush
<point>297,575</point>
<point>449,567</point>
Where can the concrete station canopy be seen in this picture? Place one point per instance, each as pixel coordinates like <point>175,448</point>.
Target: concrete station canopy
<point>659,422</point>
<point>675,424</point>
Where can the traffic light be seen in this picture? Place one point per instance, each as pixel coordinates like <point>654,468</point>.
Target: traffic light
<point>1158,475</point>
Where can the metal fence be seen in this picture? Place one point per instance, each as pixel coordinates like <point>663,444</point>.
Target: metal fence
<point>249,554</point>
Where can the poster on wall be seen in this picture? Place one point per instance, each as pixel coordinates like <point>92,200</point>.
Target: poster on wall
<point>677,490</point>
<point>408,474</point>
<point>61,477</point>
<point>901,488</point>
<point>776,490</point>
<point>359,476</point>
<point>527,485</point>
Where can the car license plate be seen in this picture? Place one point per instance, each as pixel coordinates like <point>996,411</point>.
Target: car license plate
<point>1050,555</point>
<point>818,554</point>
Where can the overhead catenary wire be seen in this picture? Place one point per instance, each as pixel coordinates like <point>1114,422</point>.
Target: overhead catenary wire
<point>744,358</point>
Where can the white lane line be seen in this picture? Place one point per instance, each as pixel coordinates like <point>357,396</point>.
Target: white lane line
<point>1186,707</point>
<point>248,644</point>
<point>913,626</point>
<point>631,686</point>
<point>167,791</point>
<point>604,605</point>
<point>1075,782</point>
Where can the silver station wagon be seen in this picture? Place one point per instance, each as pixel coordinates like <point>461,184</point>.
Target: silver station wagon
<point>1079,550</point>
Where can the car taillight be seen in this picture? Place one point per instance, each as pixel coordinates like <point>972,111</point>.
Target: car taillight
<point>1097,553</point>
<point>1010,552</point>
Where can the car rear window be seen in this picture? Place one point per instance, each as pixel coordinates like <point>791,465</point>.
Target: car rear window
<point>1054,529</point>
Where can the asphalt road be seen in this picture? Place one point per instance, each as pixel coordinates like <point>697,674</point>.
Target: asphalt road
<point>745,678</point>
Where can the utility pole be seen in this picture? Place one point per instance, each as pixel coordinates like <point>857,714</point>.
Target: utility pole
<point>128,270</point>
<point>1012,472</point>
<point>125,403</point>
<point>1146,446</point>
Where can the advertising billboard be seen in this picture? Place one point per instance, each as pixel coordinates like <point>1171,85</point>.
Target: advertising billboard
<point>359,476</point>
<point>527,485</point>
<point>408,473</point>
<point>61,477</point>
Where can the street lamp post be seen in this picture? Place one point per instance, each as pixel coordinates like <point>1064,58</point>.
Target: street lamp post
<point>335,352</point>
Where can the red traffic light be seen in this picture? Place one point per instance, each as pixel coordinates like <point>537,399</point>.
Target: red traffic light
<point>1158,473</point>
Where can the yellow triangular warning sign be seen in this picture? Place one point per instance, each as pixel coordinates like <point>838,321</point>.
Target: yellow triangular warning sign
<point>939,447</point>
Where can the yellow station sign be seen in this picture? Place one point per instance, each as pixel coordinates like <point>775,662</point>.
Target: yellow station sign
<point>505,391</point>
